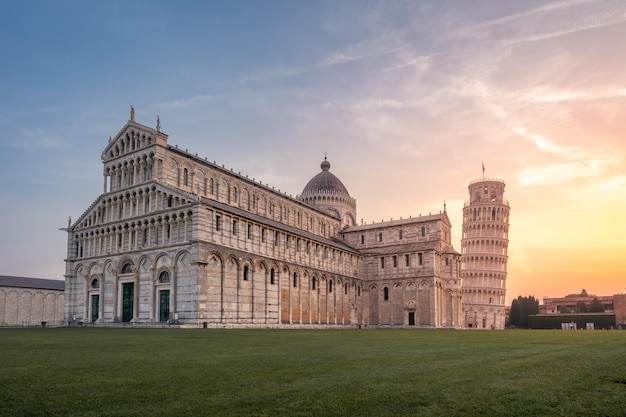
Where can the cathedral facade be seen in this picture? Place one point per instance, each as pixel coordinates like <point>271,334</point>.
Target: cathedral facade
<point>174,238</point>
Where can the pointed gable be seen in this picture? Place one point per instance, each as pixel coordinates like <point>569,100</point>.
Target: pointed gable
<point>99,213</point>
<point>132,137</point>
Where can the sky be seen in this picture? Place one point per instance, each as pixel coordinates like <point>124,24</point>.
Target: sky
<point>408,98</point>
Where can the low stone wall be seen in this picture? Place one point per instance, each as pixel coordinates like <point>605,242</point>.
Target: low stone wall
<point>30,307</point>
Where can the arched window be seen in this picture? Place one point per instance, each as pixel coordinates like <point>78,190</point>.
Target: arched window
<point>164,277</point>
<point>245,273</point>
<point>295,280</point>
<point>272,276</point>
<point>127,268</point>
<point>95,284</point>
<point>185,176</point>
<point>386,294</point>
<point>330,286</point>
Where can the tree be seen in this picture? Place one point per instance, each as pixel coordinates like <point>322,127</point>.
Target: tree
<point>565,310</point>
<point>581,307</point>
<point>514,313</point>
<point>521,308</point>
<point>596,306</point>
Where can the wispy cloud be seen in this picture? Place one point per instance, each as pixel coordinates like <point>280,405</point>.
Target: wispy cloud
<point>554,174</point>
<point>613,189</point>
<point>595,18</point>
<point>547,21</point>
<point>482,30</point>
<point>384,42</point>
<point>420,63</point>
<point>552,95</point>
<point>575,162</point>
<point>546,145</point>
<point>184,102</point>
<point>378,104</point>
<point>38,139</point>
<point>52,109</point>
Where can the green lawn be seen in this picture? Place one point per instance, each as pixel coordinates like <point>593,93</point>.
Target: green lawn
<point>174,372</point>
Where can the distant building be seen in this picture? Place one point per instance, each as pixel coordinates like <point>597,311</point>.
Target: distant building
<point>174,237</point>
<point>556,305</point>
<point>619,308</point>
<point>30,301</point>
<point>563,310</point>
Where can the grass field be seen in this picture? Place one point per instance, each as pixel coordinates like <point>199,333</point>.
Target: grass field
<point>173,372</point>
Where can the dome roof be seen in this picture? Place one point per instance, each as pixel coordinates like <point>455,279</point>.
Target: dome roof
<point>325,182</point>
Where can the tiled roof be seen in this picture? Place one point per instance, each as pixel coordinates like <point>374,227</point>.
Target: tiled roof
<point>408,247</point>
<point>277,225</point>
<point>398,222</point>
<point>23,282</point>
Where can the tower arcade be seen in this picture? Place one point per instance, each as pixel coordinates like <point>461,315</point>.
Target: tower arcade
<point>484,254</point>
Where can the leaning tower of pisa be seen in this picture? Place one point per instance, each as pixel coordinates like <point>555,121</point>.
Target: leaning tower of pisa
<point>484,247</point>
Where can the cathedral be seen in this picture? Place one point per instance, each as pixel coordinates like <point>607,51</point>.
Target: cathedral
<point>176,239</point>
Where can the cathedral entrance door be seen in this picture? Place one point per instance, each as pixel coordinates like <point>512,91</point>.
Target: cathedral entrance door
<point>95,307</point>
<point>164,305</point>
<point>411,318</point>
<point>127,301</point>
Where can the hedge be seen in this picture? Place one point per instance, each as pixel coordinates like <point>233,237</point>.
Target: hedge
<point>553,321</point>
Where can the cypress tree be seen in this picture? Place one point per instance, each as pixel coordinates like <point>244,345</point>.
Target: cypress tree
<point>521,308</point>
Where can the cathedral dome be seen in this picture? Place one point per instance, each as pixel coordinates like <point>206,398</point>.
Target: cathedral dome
<point>325,182</point>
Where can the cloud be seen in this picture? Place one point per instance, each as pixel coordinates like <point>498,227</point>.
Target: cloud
<point>378,104</point>
<point>421,63</point>
<point>385,41</point>
<point>550,95</point>
<point>52,109</point>
<point>593,19</point>
<point>578,163</point>
<point>481,30</point>
<point>184,102</point>
<point>546,145</point>
<point>554,174</point>
<point>547,21</point>
<point>36,139</point>
<point>613,189</point>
